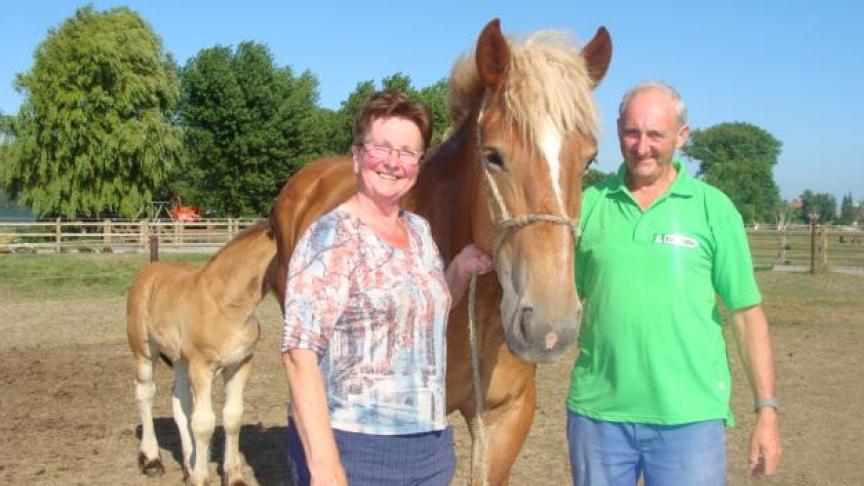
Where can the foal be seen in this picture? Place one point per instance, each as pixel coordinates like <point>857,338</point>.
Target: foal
<point>200,320</point>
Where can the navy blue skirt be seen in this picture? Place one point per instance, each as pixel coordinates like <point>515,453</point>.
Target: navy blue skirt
<point>384,460</point>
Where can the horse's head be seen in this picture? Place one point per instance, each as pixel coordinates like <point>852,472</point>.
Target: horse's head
<point>535,125</point>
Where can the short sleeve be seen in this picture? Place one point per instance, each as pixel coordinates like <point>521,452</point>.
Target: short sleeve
<point>431,254</point>
<point>318,284</point>
<point>732,269</point>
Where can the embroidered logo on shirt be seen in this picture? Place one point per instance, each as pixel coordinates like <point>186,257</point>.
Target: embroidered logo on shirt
<point>675,240</point>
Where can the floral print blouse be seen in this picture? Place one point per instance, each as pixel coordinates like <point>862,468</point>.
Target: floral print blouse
<point>376,315</point>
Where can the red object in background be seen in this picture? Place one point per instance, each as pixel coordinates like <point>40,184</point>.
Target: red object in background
<point>185,214</point>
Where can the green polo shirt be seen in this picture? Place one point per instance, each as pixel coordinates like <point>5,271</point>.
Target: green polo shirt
<point>651,348</point>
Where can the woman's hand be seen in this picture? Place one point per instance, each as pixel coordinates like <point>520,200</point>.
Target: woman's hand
<point>469,261</point>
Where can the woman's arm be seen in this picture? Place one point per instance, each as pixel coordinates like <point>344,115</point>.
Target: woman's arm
<point>309,404</point>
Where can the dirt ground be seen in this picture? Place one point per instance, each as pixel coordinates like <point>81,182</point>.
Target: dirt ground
<point>67,413</point>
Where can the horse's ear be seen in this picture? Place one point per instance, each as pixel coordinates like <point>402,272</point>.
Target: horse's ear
<point>598,55</point>
<point>493,54</point>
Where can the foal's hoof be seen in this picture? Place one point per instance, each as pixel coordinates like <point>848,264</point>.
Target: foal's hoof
<point>150,467</point>
<point>233,482</point>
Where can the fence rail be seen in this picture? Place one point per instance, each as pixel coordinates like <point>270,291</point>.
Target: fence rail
<point>830,246</point>
<point>60,236</point>
<point>821,247</point>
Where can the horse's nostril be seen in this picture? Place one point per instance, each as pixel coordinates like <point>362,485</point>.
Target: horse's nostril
<point>525,321</point>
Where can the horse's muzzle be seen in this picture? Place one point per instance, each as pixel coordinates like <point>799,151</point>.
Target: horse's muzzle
<point>533,337</point>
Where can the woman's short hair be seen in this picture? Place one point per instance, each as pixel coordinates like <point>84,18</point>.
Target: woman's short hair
<point>393,104</point>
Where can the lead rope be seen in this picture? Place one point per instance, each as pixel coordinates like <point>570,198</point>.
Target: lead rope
<point>505,224</point>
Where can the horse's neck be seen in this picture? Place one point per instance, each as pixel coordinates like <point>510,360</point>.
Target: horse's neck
<point>238,276</point>
<point>445,190</point>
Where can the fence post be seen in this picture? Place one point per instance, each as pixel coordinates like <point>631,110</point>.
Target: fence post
<point>154,248</point>
<point>142,233</point>
<point>106,234</point>
<point>781,245</point>
<point>823,247</point>
<point>814,217</point>
<point>58,235</point>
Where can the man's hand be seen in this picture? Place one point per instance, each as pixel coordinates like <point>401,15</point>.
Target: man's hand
<point>765,447</point>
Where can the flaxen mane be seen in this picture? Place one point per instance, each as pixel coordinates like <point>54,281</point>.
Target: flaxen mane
<point>547,79</point>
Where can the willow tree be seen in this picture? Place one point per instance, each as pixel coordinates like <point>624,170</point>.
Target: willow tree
<point>94,134</point>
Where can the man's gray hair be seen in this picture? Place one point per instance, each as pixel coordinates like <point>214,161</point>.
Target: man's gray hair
<point>680,107</point>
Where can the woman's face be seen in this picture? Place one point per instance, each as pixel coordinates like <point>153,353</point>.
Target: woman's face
<point>387,162</point>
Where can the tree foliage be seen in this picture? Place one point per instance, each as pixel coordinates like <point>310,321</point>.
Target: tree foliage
<point>249,126</point>
<point>593,177</point>
<point>94,133</point>
<point>821,203</point>
<point>739,158</point>
<point>847,210</point>
<point>433,96</point>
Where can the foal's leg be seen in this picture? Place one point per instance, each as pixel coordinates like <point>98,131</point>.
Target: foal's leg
<point>235,381</point>
<point>145,389</point>
<point>203,421</point>
<point>181,404</point>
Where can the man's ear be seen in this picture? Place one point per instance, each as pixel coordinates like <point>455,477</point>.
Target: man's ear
<point>683,134</point>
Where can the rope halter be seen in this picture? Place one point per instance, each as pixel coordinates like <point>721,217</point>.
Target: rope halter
<point>506,225</point>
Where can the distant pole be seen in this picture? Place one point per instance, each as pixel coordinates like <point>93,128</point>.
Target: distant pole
<point>154,248</point>
<point>814,218</point>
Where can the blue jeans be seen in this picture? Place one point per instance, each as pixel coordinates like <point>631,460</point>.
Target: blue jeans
<point>617,453</point>
<point>425,459</point>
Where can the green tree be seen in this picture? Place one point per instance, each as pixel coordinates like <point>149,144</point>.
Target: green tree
<point>433,96</point>
<point>94,133</point>
<point>593,177</point>
<point>739,158</point>
<point>820,203</point>
<point>847,210</point>
<point>347,113</point>
<point>249,126</point>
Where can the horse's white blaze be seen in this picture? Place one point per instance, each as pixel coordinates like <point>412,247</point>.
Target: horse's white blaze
<point>551,147</point>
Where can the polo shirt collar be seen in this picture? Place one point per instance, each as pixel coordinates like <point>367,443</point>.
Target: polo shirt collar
<point>683,185</point>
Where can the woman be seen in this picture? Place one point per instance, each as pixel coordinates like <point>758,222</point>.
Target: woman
<point>365,319</point>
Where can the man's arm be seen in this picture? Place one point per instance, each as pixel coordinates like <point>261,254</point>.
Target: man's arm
<point>754,342</point>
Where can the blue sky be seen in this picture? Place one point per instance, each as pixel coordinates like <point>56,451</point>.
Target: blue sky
<point>790,67</point>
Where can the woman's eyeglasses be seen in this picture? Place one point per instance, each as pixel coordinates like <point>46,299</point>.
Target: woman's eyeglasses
<point>382,150</point>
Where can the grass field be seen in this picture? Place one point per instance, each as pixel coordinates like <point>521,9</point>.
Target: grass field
<point>73,276</point>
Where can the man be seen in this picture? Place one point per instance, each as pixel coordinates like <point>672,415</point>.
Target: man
<point>649,393</point>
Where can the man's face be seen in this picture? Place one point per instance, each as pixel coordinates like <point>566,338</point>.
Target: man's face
<point>649,133</point>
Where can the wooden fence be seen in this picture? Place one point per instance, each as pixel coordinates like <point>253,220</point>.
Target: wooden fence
<point>830,246</point>
<point>118,236</point>
<point>822,247</point>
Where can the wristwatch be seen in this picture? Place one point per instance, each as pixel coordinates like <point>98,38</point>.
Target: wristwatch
<point>766,402</point>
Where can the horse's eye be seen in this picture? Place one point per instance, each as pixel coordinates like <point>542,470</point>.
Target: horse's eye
<point>591,161</point>
<point>493,158</point>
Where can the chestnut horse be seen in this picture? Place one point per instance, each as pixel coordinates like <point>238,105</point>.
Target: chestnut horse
<point>201,321</point>
<point>524,123</point>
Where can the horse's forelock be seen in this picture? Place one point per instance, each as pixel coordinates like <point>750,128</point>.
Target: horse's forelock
<point>547,80</point>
